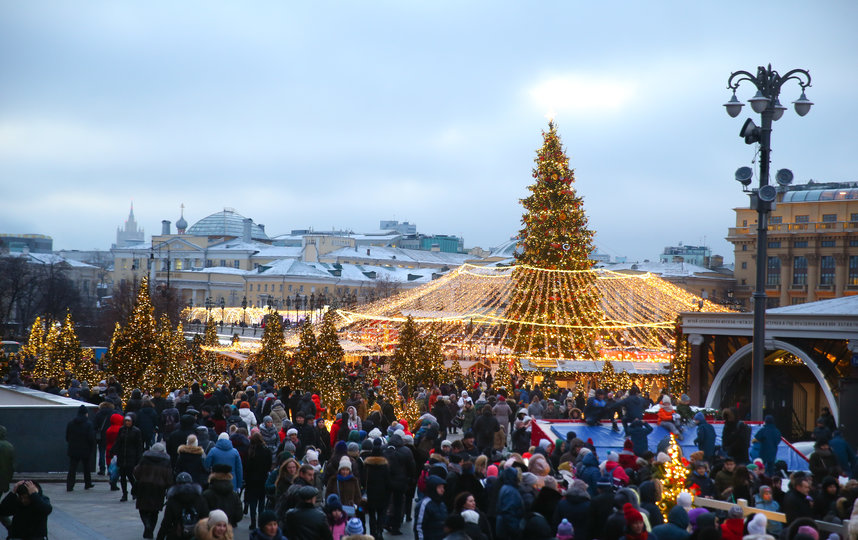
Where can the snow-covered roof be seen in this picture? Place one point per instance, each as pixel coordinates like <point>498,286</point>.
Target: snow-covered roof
<point>220,270</point>
<point>348,272</point>
<point>51,258</point>
<point>846,305</point>
<point>400,255</point>
<point>677,269</point>
<point>279,252</point>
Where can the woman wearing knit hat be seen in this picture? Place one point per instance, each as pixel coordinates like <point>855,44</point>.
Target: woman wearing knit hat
<point>635,529</point>
<point>214,527</point>
<point>565,530</point>
<point>346,485</point>
<point>757,528</point>
<point>268,529</point>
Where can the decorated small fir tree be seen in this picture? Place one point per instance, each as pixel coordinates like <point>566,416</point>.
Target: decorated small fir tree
<point>135,345</point>
<point>333,383</point>
<point>306,358</point>
<point>272,360</point>
<point>673,476</point>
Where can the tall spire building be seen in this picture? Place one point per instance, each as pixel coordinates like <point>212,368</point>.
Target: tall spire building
<point>130,235</point>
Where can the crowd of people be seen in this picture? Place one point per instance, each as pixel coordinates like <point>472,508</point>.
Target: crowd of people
<point>211,456</point>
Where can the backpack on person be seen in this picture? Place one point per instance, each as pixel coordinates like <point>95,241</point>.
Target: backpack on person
<point>190,517</point>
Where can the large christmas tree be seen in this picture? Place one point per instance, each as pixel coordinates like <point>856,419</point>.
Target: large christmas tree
<point>271,359</point>
<point>306,358</point>
<point>555,309</point>
<point>417,361</point>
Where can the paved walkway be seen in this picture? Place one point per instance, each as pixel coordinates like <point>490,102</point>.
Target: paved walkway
<point>97,514</point>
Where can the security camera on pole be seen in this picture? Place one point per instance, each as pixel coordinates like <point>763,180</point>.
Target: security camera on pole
<point>768,84</point>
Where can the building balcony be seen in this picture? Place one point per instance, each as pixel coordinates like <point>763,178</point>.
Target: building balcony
<point>794,287</point>
<point>828,227</point>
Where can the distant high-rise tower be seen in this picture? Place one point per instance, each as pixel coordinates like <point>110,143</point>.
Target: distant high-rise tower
<point>130,235</point>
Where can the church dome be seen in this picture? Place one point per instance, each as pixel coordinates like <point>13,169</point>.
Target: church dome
<point>225,223</point>
<point>181,225</point>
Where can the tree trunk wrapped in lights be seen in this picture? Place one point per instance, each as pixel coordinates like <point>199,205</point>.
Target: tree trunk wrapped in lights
<point>678,379</point>
<point>673,476</point>
<point>556,314</point>
<point>134,346</point>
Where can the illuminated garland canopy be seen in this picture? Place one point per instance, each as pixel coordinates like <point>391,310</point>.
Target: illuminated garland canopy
<point>467,309</point>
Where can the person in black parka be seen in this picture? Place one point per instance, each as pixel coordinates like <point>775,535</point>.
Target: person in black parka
<point>377,478</point>
<point>80,436</point>
<point>185,497</point>
<point>128,450</point>
<point>153,476</point>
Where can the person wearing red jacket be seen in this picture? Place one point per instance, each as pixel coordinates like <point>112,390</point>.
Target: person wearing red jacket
<point>110,438</point>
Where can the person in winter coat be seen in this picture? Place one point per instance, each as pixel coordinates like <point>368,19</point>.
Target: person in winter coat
<point>80,436</point>
<point>676,527</point>
<point>765,501</point>
<point>180,436</point>
<point>305,521</point>
<point>111,433</point>
<point>575,508</point>
<point>589,472</point>
<point>224,454</point>
<point>797,501</point>
<point>128,449</point>
<point>700,477</point>
<point>823,462</point>
<point>220,494</point>
<point>769,437</point>
<point>521,435</point>
<point>147,420</point>
<point>353,421</point>
<point>257,466</point>
<point>431,513</point>
<point>278,413</point>
<point>635,528</point>
<point>247,415</point>
<point>7,461</point>
<point>510,506</point>
<point>101,422</point>
<point>28,508</point>
<point>650,493</point>
<point>402,471</point>
<point>638,432</point>
<point>268,431</point>
<point>485,427</point>
<point>377,485</point>
<point>633,407</point>
<point>154,475</point>
<point>733,526</point>
<point>735,438</point>
<point>268,528</point>
<point>345,484</point>
<point>502,413</point>
<point>705,440</point>
<point>190,460</point>
<point>214,527</point>
<point>846,457</point>
<point>665,417</point>
<point>185,506</point>
<point>612,467</point>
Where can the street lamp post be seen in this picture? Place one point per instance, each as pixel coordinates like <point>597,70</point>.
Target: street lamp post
<point>768,83</point>
<point>244,314</point>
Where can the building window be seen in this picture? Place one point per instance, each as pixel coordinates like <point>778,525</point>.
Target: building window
<point>776,219</point>
<point>796,300</point>
<point>290,287</point>
<point>744,265</point>
<point>744,223</point>
<point>235,263</point>
<point>799,271</point>
<point>744,247</point>
<point>223,262</point>
<point>301,289</point>
<point>828,243</point>
<point>853,270</point>
<point>258,287</point>
<point>179,264</point>
<point>265,287</point>
<point>829,218</point>
<point>853,242</point>
<point>800,244</point>
<point>801,219</point>
<point>854,217</point>
<point>775,244</point>
<point>826,270</point>
<point>209,263</point>
<point>773,271</point>
<point>281,287</point>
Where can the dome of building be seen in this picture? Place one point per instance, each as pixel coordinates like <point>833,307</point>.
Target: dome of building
<point>507,249</point>
<point>226,223</point>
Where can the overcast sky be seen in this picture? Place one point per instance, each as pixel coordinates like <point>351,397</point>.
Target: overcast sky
<point>321,114</point>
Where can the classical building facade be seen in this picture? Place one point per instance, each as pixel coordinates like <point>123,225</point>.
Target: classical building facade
<point>812,251</point>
